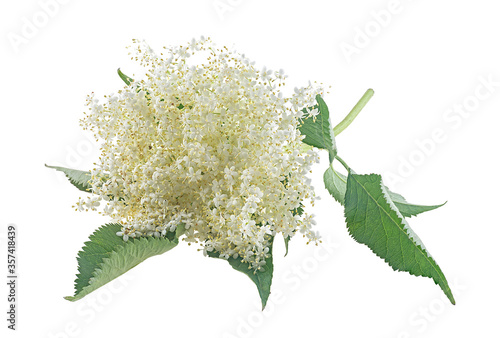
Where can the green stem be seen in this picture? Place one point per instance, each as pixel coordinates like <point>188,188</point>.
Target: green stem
<point>343,163</point>
<point>353,113</point>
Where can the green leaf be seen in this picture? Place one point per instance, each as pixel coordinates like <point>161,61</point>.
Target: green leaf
<point>373,219</point>
<point>107,256</point>
<point>407,209</point>
<point>262,278</point>
<point>78,178</point>
<point>127,79</point>
<point>287,240</point>
<point>336,183</point>
<point>317,130</point>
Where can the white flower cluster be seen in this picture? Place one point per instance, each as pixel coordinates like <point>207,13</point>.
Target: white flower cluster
<point>209,142</point>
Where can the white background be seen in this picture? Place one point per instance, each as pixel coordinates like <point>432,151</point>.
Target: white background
<point>425,60</point>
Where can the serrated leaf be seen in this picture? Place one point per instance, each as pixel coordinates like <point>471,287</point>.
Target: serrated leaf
<point>78,178</point>
<point>261,278</point>
<point>107,256</point>
<point>336,183</point>
<point>102,242</point>
<point>373,219</point>
<point>317,130</point>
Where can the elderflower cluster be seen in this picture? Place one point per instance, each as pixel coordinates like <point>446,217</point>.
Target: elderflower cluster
<point>208,141</point>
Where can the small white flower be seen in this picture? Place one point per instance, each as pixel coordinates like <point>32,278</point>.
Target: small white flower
<point>213,145</point>
<point>194,176</point>
<point>313,112</point>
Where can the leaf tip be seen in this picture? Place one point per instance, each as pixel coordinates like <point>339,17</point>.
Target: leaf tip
<point>70,298</point>
<point>449,295</point>
<point>264,301</point>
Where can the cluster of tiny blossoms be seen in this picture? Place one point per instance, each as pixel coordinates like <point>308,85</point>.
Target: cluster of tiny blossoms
<point>209,142</point>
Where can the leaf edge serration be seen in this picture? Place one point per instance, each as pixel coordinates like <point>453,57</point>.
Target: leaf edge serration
<point>103,272</point>
<point>412,236</point>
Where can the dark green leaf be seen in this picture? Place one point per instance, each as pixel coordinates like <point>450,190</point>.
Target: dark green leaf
<point>373,219</point>
<point>78,178</point>
<point>107,256</point>
<point>317,130</point>
<point>262,278</point>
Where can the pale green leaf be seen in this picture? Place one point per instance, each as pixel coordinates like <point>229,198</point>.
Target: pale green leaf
<point>335,183</point>
<point>408,209</point>
<point>78,178</point>
<point>127,79</point>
